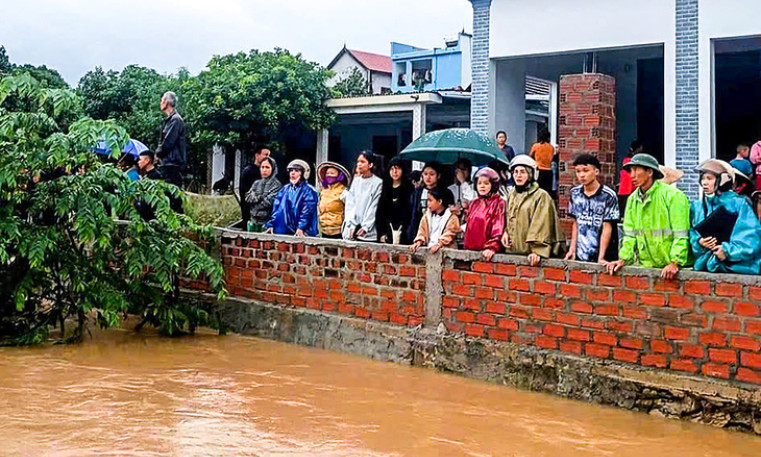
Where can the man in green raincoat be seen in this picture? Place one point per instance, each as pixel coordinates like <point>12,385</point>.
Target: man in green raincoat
<point>533,227</point>
<point>656,222</point>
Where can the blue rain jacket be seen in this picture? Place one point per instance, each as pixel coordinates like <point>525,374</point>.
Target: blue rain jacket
<point>743,249</point>
<point>295,207</point>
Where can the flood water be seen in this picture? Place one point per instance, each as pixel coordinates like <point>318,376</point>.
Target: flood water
<point>124,394</point>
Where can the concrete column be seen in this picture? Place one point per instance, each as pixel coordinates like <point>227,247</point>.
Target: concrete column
<point>238,168</point>
<point>323,137</point>
<point>418,120</point>
<point>687,145</point>
<point>433,289</point>
<point>479,102</point>
<point>217,164</point>
<point>587,125</point>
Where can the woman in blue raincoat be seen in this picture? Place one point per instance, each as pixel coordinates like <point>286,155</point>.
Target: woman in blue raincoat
<point>742,253</point>
<point>294,211</point>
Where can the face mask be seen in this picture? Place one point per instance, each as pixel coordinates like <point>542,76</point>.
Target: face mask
<point>330,180</point>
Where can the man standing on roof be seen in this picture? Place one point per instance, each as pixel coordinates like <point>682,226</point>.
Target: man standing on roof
<point>656,222</point>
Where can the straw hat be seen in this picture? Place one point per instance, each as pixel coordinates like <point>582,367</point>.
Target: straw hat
<point>670,175</point>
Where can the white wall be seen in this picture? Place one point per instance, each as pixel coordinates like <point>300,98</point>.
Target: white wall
<point>719,19</point>
<point>467,51</point>
<point>542,27</point>
<point>550,68</point>
<point>343,68</point>
<point>381,80</point>
<point>509,103</point>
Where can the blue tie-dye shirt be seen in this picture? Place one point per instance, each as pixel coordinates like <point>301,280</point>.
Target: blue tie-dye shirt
<point>590,212</point>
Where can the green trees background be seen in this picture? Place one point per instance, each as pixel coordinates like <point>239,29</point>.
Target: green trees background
<point>73,242</point>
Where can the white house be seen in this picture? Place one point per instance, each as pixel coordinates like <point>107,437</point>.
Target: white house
<point>686,74</point>
<point>375,68</point>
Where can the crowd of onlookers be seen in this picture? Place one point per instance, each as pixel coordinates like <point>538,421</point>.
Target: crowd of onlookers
<point>501,208</point>
<point>512,209</point>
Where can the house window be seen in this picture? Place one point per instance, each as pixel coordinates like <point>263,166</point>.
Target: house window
<point>421,71</point>
<point>401,70</point>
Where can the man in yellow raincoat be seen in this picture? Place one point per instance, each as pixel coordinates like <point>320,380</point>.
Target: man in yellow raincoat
<point>656,222</point>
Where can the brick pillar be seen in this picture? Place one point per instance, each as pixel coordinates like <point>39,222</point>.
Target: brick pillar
<point>479,101</point>
<point>587,125</point>
<point>687,125</point>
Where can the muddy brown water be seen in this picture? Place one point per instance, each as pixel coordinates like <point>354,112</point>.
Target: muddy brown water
<point>127,394</point>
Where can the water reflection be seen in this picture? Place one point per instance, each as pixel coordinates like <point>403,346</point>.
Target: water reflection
<point>142,395</point>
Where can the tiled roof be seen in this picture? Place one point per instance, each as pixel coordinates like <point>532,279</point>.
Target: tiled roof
<point>373,62</point>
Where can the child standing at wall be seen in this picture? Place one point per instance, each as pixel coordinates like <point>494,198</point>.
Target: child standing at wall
<point>595,213</point>
<point>439,226</point>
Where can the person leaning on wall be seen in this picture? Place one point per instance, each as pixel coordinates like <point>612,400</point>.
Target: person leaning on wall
<point>741,252</point>
<point>362,201</point>
<point>261,195</point>
<point>656,222</point>
<point>532,227</point>
<point>334,182</point>
<point>294,211</point>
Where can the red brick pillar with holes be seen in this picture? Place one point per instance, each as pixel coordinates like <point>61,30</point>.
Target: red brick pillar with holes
<point>587,122</point>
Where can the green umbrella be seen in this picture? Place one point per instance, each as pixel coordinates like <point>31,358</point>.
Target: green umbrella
<point>448,146</point>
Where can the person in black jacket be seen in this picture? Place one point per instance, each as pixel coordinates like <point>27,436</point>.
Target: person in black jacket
<point>394,210</point>
<point>248,176</point>
<point>172,147</point>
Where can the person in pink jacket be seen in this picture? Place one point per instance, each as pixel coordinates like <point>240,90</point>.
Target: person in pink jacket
<point>755,160</point>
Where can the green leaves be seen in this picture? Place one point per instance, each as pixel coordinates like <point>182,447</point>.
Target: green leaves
<point>247,98</point>
<point>62,251</point>
<point>354,85</point>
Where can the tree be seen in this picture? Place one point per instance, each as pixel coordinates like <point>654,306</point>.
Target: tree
<point>354,85</point>
<point>48,77</point>
<point>243,99</point>
<point>131,97</point>
<point>5,63</point>
<point>62,254</point>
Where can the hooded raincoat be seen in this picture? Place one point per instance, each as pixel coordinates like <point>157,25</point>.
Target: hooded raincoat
<point>532,224</point>
<point>743,249</point>
<point>295,208</point>
<point>486,222</point>
<point>656,227</point>
<point>261,196</point>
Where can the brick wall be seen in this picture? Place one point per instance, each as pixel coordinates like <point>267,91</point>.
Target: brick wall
<point>704,324</point>
<point>687,127</point>
<point>479,102</point>
<point>384,285</point>
<point>587,125</point>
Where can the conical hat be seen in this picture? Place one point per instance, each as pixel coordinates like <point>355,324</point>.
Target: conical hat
<point>323,168</point>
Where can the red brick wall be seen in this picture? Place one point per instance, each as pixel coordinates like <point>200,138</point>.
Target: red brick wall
<point>587,125</point>
<point>378,284</point>
<point>705,324</point>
